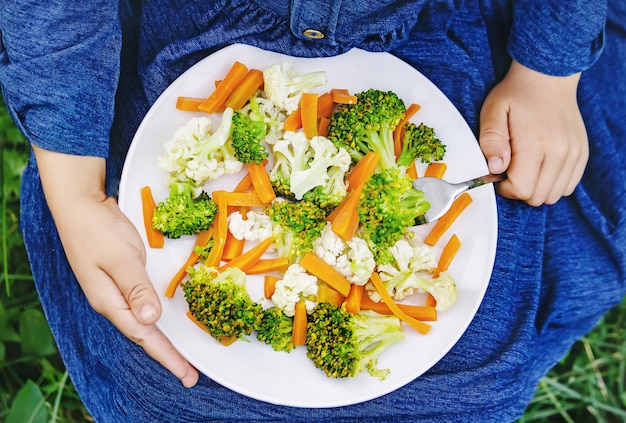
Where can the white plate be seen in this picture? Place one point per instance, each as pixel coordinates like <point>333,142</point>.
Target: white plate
<point>254,369</point>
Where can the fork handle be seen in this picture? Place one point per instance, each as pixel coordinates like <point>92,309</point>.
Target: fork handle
<point>487,179</point>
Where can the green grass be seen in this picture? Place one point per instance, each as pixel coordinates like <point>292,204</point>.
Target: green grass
<point>587,386</point>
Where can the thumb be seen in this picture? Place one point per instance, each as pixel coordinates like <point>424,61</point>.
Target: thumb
<point>494,137</point>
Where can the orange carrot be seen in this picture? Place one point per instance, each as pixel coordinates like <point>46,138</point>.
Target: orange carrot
<point>293,121</point>
<point>342,96</point>
<point>243,199</point>
<point>248,259</point>
<point>398,133</point>
<point>430,301</point>
<point>218,98</point>
<point>447,254</point>
<point>412,171</point>
<point>353,300</point>
<point>298,333</point>
<point>445,221</point>
<point>362,170</point>
<point>244,185</point>
<point>269,285</point>
<point>423,313</point>
<point>308,109</point>
<point>345,218</point>
<point>325,105</point>
<point>203,239</point>
<point>436,169</point>
<point>188,104</point>
<point>246,89</point>
<point>233,247</point>
<point>148,205</point>
<point>418,325</point>
<point>325,294</point>
<point>220,230</point>
<point>327,273</point>
<point>261,182</point>
<point>278,264</point>
<point>322,127</point>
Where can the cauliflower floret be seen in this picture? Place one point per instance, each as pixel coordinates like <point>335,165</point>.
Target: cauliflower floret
<point>353,259</point>
<point>284,85</point>
<point>197,155</point>
<point>255,227</point>
<point>296,284</point>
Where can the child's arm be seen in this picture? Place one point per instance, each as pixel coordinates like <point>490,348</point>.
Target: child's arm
<point>531,127</point>
<point>106,253</point>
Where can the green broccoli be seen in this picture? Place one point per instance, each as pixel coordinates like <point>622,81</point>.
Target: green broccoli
<point>343,344</point>
<point>296,225</point>
<point>420,142</point>
<point>368,125</point>
<point>221,302</point>
<point>388,206</point>
<point>247,139</point>
<point>182,214</point>
<point>275,329</point>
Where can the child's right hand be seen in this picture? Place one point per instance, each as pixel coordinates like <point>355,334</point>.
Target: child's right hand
<point>531,127</point>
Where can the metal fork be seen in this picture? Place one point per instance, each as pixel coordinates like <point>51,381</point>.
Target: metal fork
<point>441,194</point>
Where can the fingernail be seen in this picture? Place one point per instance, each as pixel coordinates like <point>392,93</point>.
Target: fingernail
<point>495,163</point>
<point>147,313</point>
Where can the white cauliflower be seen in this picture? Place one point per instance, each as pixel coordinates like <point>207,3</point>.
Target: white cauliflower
<point>353,259</point>
<point>296,284</point>
<point>284,85</point>
<point>261,109</point>
<point>197,155</point>
<point>255,227</point>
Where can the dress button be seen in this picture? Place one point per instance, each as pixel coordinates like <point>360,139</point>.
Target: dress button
<point>314,34</point>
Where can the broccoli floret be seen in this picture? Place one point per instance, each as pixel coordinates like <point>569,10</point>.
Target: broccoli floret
<point>275,329</point>
<point>368,125</point>
<point>343,344</point>
<point>197,155</point>
<point>312,169</point>
<point>284,85</point>
<point>420,142</point>
<point>388,206</point>
<point>221,302</point>
<point>182,214</point>
<point>247,139</point>
<point>296,226</point>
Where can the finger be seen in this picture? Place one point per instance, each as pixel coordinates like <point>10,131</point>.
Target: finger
<point>523,172</point>
<point>494,136</point>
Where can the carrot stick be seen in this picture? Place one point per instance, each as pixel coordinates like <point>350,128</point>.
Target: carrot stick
<point>430,301</point>
<point>445,221</point>
<point>418,325</point>
<point>342,96</point>
<point>243,199</point>
<point>322,126</point>
<point>362,170</point>
<point>148,205</point>
<point>293,121</point>
<point>412,171</point>
<point>220,230</point>
<point>327,273</point>
<point>308,109</point>
<point>447,254</point>
<point>353,300</point>
<point>261,182</point>
<point>325,294</point>
<point>423,313</point>
<point>325,105</point>
<point>436,169</point>
<point>269,285</point>
<point>345,218</point>
<point>245,184</point>
<point>398,133</point>
<point>298,334</point>
<point>245,90</point>
<point>203,239</point>
<point>278,264</point>
<point>188,104</point>
<point>233,247</point>
<point>218,98</point>
<point>248,259</point>
<point>225,340</point>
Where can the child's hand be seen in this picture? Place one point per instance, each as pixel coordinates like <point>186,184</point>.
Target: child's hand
<point>106,254</point>
<point>531,127</point>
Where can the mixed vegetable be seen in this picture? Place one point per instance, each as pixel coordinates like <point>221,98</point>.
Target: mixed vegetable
<point>323,211</point>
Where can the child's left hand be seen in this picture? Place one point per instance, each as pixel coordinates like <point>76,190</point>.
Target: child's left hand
<point>531,127</point>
